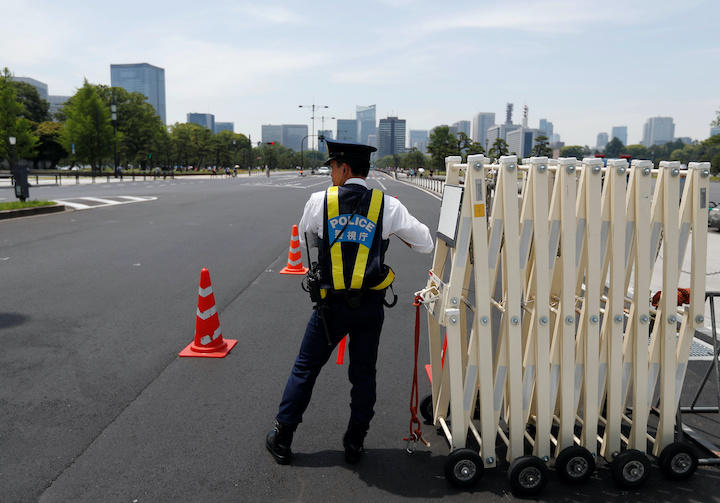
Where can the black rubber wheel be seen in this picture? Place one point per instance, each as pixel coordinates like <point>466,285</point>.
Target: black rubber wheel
<point>630,469</point>
<point>426,409</point>
<point>464,467</point>
<point>678,461</point>
<point>575,464</point>
<point>527,475</point>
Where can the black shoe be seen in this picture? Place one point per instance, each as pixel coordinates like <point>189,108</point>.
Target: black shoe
<point>278,442</point>
<point>353,441</point>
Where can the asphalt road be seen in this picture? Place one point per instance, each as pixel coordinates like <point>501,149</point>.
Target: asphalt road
<point>95,405</point>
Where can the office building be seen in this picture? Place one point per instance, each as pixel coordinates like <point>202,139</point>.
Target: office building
<point>602,141</point>
<point>521,140</point>
<point>481,123</point>
<point>372,141</point>
<point>347,130</point>
<point>42,87</point>
<point>366,122</point>
<point>324,134</point>
<point>461,127</point>
<point>293,135</point>
<point>145,79</point>
<point>546,128</point>
<point>204,120</point>
<point>619,132</point>
<point>715,130</point>
<point>391,136</point>
<point>499,131</point>
<point>271,133</point>
<point>419,139</point>
<point>56,103</point>
<point>224,126</point>
<point>658,131</point>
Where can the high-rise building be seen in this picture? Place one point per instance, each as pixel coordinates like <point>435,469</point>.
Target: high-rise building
<point>461,127</point>
<point>499,131</point>
<point>366,122</point>
<point>391,136</point>
<point>42,87</point>
<point>271,133</point>
<point>347,130</point>
<point>481,123</point>
<point>224,126</point>
<point>419,139</point>
<point>521,141</point>
<point>142,78</point>
<point>715,130</point>
<point>293,135</point>
<point>204,120</point>
<point>56,103</point>
<point>619,132</point>
<point>658,131</point>
<point>508,113</point>
<point>602,141</point>
<point>324,134</point>
<point>546,127</point>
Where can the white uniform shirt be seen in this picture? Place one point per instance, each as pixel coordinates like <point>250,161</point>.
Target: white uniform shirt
<point>396,220</point>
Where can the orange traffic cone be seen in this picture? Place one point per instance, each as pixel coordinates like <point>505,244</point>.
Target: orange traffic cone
<point>208,340</point>
<point>341,351</point>
<point>294,265</point>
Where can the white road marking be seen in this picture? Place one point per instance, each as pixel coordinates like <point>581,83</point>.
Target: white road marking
<point>103,201</point>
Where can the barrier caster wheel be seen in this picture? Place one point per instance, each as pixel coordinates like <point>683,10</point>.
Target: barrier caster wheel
<point>678,461</point>
<point>575,464</point>
<point>464,467</point>
<point>426,409</point>
<point>630,469</point>
<point>527,475</point>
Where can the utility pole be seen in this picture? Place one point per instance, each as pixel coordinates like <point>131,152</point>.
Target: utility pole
<point>313,107</point>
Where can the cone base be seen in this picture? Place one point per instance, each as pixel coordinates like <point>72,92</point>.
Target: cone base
<point>288,270</point>
<point>428,371</point>
<point>220,353</point>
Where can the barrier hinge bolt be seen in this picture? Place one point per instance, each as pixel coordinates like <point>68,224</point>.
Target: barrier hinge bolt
<point>510,167</point>
<point>484,320</point>
<point>596,169</point>
<point>454,301</point>
<point>541,168</point>
<point>570,169</point>
<point>699,318</point>
<point>672,319</point>
<point>453,319</point>
<point>675,172</point>
<point>594,318</point>
<point>621,170</point>
<point>618,318</point>
<point>477,165</point>
<point>646,171</point>
<point>514,320</point>
<point>570,320</point>
<point>491,460</point>
<point>705,173</point>
<point>543,320</point>
<point>644,318</point>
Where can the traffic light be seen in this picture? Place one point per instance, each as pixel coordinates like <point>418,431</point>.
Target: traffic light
<point>269,143</point>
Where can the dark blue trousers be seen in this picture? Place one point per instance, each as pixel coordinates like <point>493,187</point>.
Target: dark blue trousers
<point>363,324</point>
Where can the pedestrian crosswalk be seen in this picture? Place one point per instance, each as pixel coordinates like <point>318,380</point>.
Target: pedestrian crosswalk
<point>84,203</point>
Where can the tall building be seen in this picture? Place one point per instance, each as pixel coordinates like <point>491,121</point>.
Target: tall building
<point>481,123</point>
<point>366,122</point>
<point>391,136</point>
<point>419,139</point>
<point>224,126</point>
<point>142,78</point>
<point>658,131</point>
<point>347,130</point>
<point>546,127</point>
<point>294,135</point>
<point>461,127</point>
<point>42,87</point>
<point>602,141</point>
<point>324,134</point>
<point>619,132</point>
<point>521,141</point>
<point>499,131</point>
<point>57,103</point>
<point>271,133</point>
<point>204,120</point>
<point>715,130</point>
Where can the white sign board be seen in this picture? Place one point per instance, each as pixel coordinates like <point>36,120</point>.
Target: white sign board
<point>450,214</point>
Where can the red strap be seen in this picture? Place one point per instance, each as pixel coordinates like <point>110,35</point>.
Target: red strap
<point>416,433</point>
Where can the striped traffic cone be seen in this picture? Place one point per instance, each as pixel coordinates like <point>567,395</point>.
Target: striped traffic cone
<point>294,265</point>
<point>208,340</point>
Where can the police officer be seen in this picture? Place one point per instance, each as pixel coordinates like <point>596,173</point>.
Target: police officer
<point>351,226</point>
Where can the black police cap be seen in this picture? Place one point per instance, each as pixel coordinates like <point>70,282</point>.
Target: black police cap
<point>349,152</point>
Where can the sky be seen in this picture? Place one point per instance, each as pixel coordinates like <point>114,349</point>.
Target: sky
<point>586,66</point>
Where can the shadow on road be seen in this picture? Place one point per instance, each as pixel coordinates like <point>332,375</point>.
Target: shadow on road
<point>8,320</point>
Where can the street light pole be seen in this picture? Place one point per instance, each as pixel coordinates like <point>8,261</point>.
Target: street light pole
<point>22,191</point>
<point>313,107</point>
<point>113,111</point>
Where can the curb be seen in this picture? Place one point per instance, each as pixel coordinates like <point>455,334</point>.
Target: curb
<point>24,212</point>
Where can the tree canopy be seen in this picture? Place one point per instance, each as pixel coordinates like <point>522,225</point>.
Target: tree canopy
<point>88,127</point>
<point>541,148</point>
<point>13,122</point>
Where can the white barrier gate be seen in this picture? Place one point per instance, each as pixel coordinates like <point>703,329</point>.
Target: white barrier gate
<point>559,354</point>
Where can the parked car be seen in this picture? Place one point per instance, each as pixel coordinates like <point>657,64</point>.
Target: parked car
<point>323,170</point>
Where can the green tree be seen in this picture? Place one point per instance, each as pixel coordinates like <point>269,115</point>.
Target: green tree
<point>638,151</point>
<point>466,146</point>
<point>716,122</point>
<point>192,145</point>
<point>614,148</point>
<point>442,143</point>
<point>498,149</point>
<point>88,127</point>
<point>576,151</point>
<point>35,108</point>
<point>541,148</point>
<point>50,146</point>
<point>13,122</point>
<point>414,160</point>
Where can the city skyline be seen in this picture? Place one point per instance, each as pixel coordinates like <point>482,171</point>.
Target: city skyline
<point>429,77</point>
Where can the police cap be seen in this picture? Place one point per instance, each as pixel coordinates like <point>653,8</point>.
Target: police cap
<point>355,154</point>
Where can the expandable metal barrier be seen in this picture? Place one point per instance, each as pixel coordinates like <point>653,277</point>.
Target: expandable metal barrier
<point>559,360</point>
